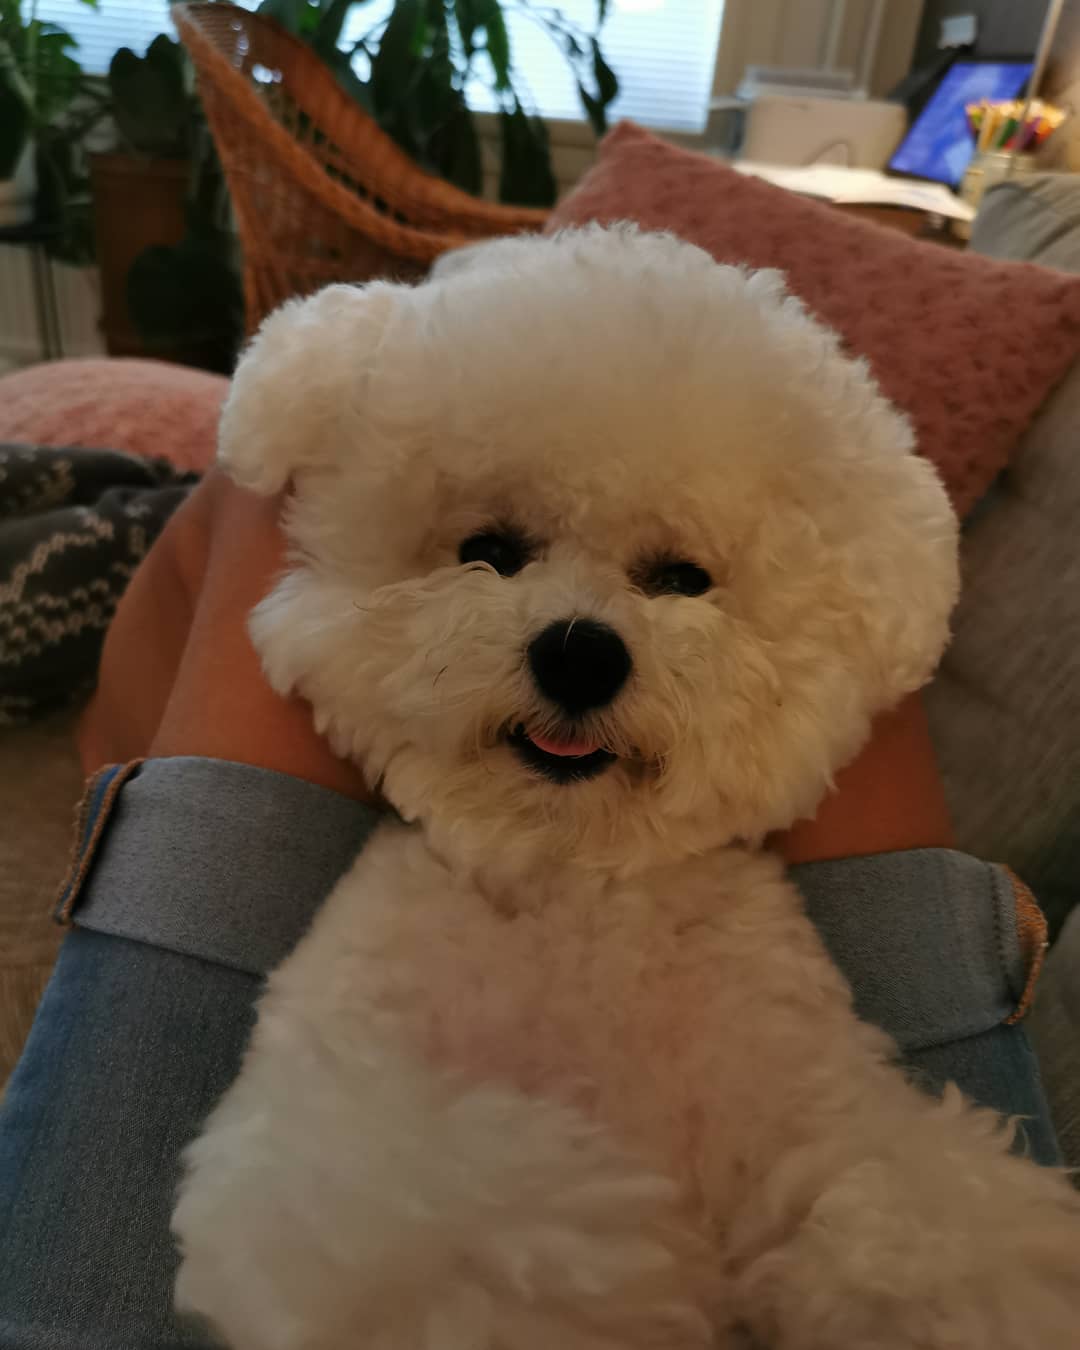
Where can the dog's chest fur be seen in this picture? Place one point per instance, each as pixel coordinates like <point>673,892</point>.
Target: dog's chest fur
<point>624,1000</point>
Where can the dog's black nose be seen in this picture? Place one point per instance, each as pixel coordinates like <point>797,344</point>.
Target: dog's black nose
<point>579,664</point>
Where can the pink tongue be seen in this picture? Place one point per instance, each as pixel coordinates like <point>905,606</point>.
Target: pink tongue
<point>574,749</point>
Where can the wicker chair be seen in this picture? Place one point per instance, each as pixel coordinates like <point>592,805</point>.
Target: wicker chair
<point>320,193</point>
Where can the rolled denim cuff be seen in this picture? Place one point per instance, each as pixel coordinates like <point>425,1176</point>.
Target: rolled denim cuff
<point>206,858</point>
<point>229,863</point>
<point>936,945</point>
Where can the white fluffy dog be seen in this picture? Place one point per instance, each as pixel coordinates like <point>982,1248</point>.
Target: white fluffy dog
<point>603,558</point>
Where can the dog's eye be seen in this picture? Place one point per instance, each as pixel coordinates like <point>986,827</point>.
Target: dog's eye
<point>502,549</point>
<point>668,577</point>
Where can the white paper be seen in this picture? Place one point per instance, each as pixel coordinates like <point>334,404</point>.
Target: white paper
<point>863,187</point>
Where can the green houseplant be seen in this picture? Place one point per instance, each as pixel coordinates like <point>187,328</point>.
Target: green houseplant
<point>164,243</point>
<point>413,71</point>
<point>170,285</point>
<point>46,107</point>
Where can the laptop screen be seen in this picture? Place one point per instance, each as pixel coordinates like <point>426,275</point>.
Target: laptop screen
<point>938,144</point>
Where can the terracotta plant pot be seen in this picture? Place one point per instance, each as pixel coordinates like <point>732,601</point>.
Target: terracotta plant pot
<point>138,201</point>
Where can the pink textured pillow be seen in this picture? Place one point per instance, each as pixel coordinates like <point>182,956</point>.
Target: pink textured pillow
<point>147,408</point>
<point>967,346</point>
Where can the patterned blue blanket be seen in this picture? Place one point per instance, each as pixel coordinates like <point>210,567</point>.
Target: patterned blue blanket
<point>74,525</point>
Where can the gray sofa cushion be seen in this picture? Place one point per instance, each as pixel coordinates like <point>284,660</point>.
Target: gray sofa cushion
<point>1006,705</point>
<point>1034,219</point>
<point>1054,1025</point>
<point>1005,708</point>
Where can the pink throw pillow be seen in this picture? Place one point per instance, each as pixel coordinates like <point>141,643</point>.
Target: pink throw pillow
<point>147,408</point>
<point>967,346</point>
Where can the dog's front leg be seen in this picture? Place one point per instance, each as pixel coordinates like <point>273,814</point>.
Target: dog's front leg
<point>857,1211</point>
<point>348,1193</point>
<point>371,1203</point>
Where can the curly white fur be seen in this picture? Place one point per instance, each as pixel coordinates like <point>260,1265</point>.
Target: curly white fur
<point>566,1062</point>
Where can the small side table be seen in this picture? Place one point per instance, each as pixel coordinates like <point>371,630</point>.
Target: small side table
<point>915,224</point>
<point>36,236</point>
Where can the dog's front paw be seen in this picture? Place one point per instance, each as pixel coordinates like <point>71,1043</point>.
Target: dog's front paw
<point>391,1207</point>
<point>988,1262</point>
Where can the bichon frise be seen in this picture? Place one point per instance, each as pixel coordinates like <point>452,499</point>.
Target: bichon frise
<point>603,558</point>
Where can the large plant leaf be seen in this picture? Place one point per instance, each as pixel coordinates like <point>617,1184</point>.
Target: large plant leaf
<point>187,303</point>
<point>331,20</point>
<point>432,79</point>
<point>607,84</point>
<point>454,150</point>
<point>593,110</point>
<point>150,103</point>
<point>16,113</point>
<point>288,13</point>
<point>166,57</point>
<point>607,87</point>
<point>446,131</point>
<point>63,198</point>
<point>475,15</point>
<point>393,67</point>
<point>57,77</point>
<point>468,21</point>
<point>526,178</point>
<point>498,41</point>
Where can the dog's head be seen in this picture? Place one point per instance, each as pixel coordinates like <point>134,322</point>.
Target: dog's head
<point>600,550</point>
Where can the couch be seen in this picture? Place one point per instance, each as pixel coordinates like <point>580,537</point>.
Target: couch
<point>1005,708</point>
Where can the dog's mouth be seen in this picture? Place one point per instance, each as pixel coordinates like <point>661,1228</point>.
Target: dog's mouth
<point>560,759</point>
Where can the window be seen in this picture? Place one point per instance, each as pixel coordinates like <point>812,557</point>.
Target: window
<point>117,23</point>
<point>663,51</point>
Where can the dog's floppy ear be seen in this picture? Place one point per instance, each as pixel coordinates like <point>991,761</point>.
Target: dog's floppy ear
<point>306,369</point>
<point>902,547</point>
<point>891,527</point>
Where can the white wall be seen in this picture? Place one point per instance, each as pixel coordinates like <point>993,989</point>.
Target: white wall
<point>78,303</point>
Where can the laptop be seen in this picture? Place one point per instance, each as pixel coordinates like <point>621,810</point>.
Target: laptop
<point>939,145</point>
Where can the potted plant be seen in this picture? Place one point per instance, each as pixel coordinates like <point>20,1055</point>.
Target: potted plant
<point>40,80</point>
<point>139,187</point>
<point>413,69</point>
<point>168,285</point>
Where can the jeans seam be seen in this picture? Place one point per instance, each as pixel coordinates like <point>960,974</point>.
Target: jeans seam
<point>94,814</point>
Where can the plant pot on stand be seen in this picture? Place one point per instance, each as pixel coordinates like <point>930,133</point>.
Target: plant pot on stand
<point>139,202</point>
<point>169,283</point>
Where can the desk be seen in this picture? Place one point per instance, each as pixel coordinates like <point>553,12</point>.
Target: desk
<point>916,224</point>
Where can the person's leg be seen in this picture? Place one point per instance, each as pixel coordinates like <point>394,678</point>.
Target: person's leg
<point>90,1139</point>
<point>191,879</point>
<point>1055,1034</point>
<point>995,1068</point>
<point>941,951</point>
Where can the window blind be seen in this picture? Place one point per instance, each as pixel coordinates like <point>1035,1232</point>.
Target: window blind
<point>663,51</point>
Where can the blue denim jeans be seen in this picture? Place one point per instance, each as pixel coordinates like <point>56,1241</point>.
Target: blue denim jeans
<point>195,877</point>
